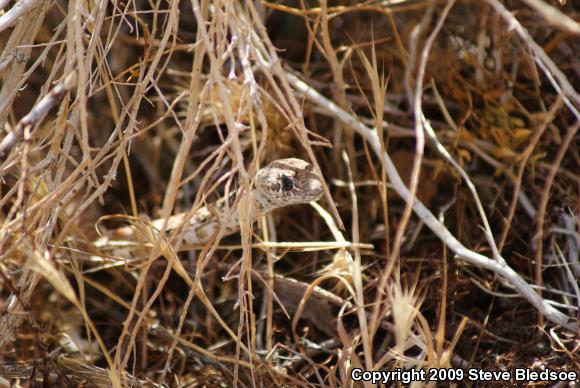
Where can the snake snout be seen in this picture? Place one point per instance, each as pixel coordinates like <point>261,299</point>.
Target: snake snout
<point>315,189</point>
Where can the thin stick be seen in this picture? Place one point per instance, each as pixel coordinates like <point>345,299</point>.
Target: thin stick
<point>31,121</point>
<point>10,17</point>
<point>554,16</point>
<point>544,198</point>
<point>562,86</point>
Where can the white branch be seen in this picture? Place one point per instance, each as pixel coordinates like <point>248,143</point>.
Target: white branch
<point>36,115</point>
<point>499,267</point>
<point>554,74</point>
<point>554,16</point>
<point>10,17</point>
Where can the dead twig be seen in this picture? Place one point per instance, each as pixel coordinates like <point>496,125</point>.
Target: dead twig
<point>553,73</point>
<point>509,276</point>
<point>544,198</point>
<point>555,17</point>
<point>31,121</point>
<point>19,9</point>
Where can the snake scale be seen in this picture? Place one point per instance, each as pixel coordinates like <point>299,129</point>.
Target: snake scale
<point>283,182</point>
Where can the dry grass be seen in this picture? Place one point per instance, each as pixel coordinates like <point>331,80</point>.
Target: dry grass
<point>447,136</point>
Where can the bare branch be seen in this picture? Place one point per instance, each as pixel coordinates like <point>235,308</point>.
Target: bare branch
<point>554,16</point>
<point>506,273</point>
<point>36,115</point>
<point>554,74</point>
<point>10,17</point>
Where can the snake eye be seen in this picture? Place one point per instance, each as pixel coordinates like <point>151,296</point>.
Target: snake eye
<point>287,183</point>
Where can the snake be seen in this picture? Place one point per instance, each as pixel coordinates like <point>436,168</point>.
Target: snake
<point>283,182</point>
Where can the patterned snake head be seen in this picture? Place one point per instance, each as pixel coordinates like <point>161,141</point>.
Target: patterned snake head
<point>286,182</point>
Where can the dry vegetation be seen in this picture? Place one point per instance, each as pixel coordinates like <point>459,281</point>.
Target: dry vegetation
<point>446,133</point>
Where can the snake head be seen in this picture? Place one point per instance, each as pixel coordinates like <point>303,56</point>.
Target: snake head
<point>287,182</point>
